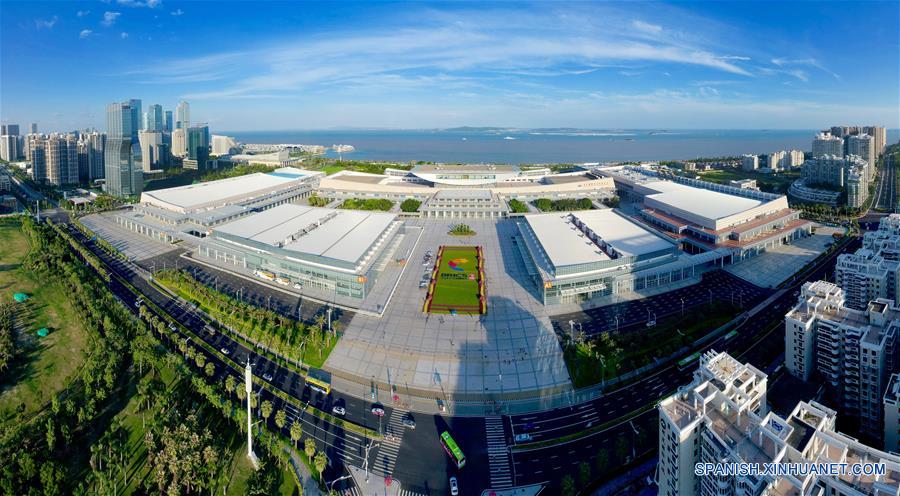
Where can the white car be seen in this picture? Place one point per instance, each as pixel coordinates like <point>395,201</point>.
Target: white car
<point>225,351</point>
<point>338,410</point>
<point>524,437</point>
<point>454,486</point>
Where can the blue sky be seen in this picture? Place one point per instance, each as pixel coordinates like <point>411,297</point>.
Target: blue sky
<point>280,65</point>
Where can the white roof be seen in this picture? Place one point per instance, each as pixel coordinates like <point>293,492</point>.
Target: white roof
<point>561,240</point>
<point>344,235</point>
<point>223,191</point>
<point>703,202</point>
<point>626,237</point>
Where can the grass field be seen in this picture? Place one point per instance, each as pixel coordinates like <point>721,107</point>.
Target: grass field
<point>456,284</point>
<point>42,367</point>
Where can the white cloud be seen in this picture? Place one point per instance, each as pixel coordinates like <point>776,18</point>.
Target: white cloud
<point>137,3</point>
<point>85,33</point>
<point>177,12</point>
<point>123,35</point>
<point>82,13</point>
<point>109,18</point>
<point>647,27</point>
<point>437,45</point>
<point>808,62</point>
<point>46,23</point>
<point>733,57</point>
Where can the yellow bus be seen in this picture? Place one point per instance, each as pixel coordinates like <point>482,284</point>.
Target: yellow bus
<point>319,380</point>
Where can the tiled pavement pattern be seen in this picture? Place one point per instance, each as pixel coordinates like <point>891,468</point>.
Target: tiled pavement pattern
<point>777,264</point>
<point>510,349</point>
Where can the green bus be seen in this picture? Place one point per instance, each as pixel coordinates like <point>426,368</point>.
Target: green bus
<point>453,450</point>
<point>688,361</point>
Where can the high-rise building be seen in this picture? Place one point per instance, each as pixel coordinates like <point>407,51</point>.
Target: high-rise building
<point>879,134</point>
<point>892,414</point>
<point>154,152</point>
<point>724,393</point>
<point>38,158</point>
<point>839,131</point>
<point>777,160</point>
<point>198,145</point>
<point>749,162</point>
<point>154,118</point>
<point>137,116</point>
<point>224,145</point>
<point>721,418</point>
<point>874,270</point>
<point>179,143</point>
<point>61,155</point>
<point>167,126</point>
<point>9,129</point>
<point>863,146</point>
<point>832,170</point>
<point>9,147</point>
<point>854,351</point>
<point>827,144</point>
<point>34,128</point>
<point>124,174</point>
<point>796,158</point>
<point>183,115</point>
<point>97,155</point>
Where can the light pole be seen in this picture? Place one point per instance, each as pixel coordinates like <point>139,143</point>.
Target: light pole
<point>633,439</point>
<point>682,306</point>
<point>331,484</point>
<point>248,384</point>
<point>710,297</point>
<point>329,319</point>
<point>369,445</point>
<point>602,372</point>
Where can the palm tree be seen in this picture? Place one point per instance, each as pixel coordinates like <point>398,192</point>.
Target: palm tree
<point>320,461</point>
<point>210,369</point>
<point>296,432</point>
<point>309,447</point>
<point>280,419</point>
<point>229,385</point>
<point>266,409</point>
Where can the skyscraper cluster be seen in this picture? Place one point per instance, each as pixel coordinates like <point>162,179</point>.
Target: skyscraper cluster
<point>852,149</point>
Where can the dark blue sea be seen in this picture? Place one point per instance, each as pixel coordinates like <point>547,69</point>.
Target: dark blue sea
<point>543,146</point>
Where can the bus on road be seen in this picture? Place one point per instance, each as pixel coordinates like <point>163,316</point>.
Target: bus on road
<point>319,380</point>
<point>453,450</point>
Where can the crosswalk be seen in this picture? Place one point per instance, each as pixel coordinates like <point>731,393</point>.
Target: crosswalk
<point>390,444</point>
<point>353,491</point>
<point>498,454</point>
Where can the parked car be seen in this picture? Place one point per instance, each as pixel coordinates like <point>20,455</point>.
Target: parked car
<point>225,351</point>
<point>267,377</point>
<point>338,410</point>
<point>454,486</point>
<point>523,437</point>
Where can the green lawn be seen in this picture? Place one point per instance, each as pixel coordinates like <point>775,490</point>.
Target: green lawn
<point>456,286</point>
<point>777,183</point>
<point>42,366</point>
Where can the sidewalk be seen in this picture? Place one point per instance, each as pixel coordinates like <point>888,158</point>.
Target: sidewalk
<point>310,487</point>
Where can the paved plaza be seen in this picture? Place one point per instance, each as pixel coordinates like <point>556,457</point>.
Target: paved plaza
<point>510,349</point>
<point>777,264</point>
<point>135,246</point>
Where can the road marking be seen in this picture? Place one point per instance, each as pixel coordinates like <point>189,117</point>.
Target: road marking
<point>498,454</point>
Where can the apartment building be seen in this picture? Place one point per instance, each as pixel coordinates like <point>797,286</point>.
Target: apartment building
<point>892,415</point>
<point>827,144</point>
<point>872,272</point>
<point>749,162</point>
<point>853,351</point>
<point>721,417</point>
<point>696,422</point>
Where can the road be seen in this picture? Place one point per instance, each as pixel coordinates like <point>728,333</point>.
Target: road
<point>418,462</point>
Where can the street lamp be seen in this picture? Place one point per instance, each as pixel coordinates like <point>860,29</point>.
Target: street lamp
<point>682,306</point>
<point>633,439</point>
<point>331,484</point>
<point>369,445</point>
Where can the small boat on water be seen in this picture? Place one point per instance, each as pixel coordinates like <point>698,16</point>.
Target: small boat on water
<point>509,138</point>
